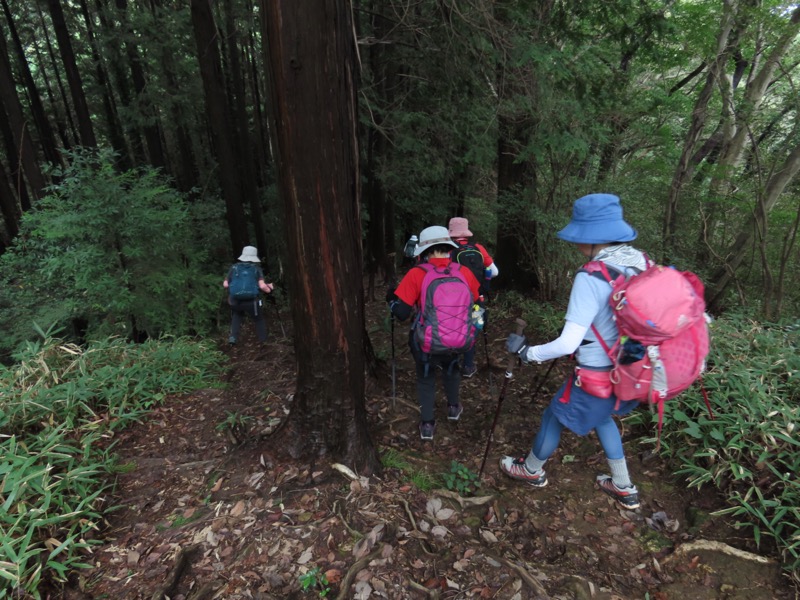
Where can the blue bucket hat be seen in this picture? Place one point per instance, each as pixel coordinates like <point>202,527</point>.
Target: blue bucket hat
<point>597,219</point>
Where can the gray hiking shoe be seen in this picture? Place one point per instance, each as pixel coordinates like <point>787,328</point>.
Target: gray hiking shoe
<point>427,429</point>
<point>627,497</point>
<point>468,372</point>
<point>454,411</point>
<point>516,469</point>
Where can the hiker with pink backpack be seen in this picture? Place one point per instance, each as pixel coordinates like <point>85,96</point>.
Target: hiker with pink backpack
<point>638,333</point>
<point>440,295</point>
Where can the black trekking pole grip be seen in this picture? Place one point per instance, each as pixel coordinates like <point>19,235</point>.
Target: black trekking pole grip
<point>512,360</point>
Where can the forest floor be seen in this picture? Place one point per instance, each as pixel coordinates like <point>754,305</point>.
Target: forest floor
<point>204,512</point>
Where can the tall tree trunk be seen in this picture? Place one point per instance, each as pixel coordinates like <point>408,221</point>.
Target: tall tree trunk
<point>113,125</point>
<point>151,128</point>
<point>381,251</point>
<point>184,158</point>
<point>15,179</point>
<point>9,208</point>
<point>46,136</point>
<point>512,178</point>
<point>311,57</point>
<point>243,149</point>
<point>218,115</point>
<point>19,146</point>
<point>119,74</point>
<point>56,106</point>
<point>73,74</point>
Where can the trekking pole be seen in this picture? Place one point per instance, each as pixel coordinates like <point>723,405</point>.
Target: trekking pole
<point>280,321</point>
<point>543,379</point>
<point>394,368</point>
<point>278,316</point>
<point>512,360</point>
<point>488,365</point>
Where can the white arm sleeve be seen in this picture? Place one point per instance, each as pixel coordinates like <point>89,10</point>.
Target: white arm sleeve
<point>493,270</point>
<point>571,337</point>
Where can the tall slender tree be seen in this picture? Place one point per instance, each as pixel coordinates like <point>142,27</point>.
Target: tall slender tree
<point>219,119</point>
<point>43,127</point>
<point>20,145</point>
<point>74,79</point>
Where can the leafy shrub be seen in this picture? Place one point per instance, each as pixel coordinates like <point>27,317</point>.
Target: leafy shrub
<point>461,480</point>
<point>59,400</point>
<point>750,450</point>
<point>110,253</point>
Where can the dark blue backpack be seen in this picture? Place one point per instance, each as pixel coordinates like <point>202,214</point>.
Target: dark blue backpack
<point>243,284</point>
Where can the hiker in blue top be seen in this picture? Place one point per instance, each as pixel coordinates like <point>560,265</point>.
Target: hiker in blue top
<point>244,282</point>
<point>585,403</point>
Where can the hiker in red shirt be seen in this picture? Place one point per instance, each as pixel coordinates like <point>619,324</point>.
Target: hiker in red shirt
<point>434,251</point>
<point>480,262</point>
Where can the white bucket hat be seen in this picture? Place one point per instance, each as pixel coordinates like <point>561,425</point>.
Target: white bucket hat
<point>433,236</point>
<point>249,254</point>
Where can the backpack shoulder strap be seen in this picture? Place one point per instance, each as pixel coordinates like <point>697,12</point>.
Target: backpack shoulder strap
<point>599,269</point>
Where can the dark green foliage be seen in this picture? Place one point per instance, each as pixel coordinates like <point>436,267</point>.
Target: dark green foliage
<point>111,253</point>
<point>749,451</point>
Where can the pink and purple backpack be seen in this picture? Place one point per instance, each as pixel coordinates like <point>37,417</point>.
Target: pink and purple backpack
<point>444,323</point>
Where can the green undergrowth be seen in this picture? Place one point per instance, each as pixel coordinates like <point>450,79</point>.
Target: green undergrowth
<point>749,450</point>
<point>59,406</point>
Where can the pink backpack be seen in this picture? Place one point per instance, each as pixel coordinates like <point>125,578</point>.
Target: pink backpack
<point>663,333</point>
<point>444,324</point>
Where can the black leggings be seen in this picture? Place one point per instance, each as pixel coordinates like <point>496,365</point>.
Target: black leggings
<point>253,308</point>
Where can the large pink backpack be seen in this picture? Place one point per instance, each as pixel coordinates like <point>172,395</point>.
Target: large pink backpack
<point>444,324</point>
<point>663,333</point>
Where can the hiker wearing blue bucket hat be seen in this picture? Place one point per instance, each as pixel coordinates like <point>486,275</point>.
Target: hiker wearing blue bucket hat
<point>585,402</point>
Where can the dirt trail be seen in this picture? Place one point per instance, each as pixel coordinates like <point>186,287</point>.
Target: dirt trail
<point>206,513</point>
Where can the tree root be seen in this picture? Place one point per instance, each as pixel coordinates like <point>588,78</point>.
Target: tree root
<point>181,563</point>
<point>433,594</point>
<point>699,545</point>
<point>347,580</point>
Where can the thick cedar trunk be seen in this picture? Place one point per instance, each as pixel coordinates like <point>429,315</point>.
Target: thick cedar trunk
<point>219,121</point>
<point>47,138</point>
<point>19,146</point>
<point>73,75</point>
<point>311,56</point>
